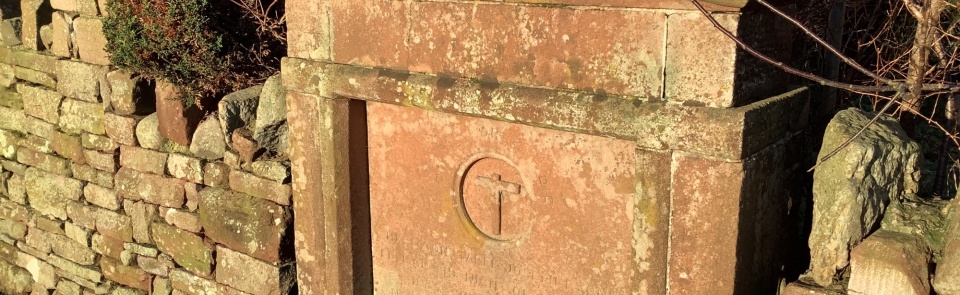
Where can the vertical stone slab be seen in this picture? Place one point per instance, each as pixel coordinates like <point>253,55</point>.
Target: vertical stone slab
<point>308,24</point>
<point>703,238</point>
<point>329,145</point>
<point>34,13</point>
<point>651,225</point>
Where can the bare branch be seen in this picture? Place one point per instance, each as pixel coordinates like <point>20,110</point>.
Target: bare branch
<point>826,45</point>
<point>927,28</point>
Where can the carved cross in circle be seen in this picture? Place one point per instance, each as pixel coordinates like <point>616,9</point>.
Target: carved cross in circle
<point>499,187</point>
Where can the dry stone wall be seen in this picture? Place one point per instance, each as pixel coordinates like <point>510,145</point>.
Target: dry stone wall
<point>94,200</point>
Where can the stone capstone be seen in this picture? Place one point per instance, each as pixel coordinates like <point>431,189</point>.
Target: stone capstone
<point>148,134</point>
<point>270,128</point>
<point>237,110</point>
<point>208,141</point>
<point>852,189</point>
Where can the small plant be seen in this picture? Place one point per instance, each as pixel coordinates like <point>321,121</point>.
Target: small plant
<point>205,47</point>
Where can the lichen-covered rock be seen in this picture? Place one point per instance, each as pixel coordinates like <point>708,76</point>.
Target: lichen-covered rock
<point>77,116</point>
<point>50,193</point>
<point>852,189</point>
<point>271,124</point>
<point>208,142</point>
<point>189,250</point>
<point>147,133</point>
<point>129,94</point>
<point>252,275</point>
<point>237,110</point>
<point>247,224</point>
<point>15,280</point>
<point>946,279</point>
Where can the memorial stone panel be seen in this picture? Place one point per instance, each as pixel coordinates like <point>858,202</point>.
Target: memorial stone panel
<point>475,206</point>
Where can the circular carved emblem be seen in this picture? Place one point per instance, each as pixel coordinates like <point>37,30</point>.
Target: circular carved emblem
<point>494,198</point>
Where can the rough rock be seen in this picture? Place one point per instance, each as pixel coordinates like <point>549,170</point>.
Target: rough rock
<point>50,193</point>
<point>148,134</point>
<point>189,250</point>
<point>270,128</point>
<point>247,148</point>
<point>237,110</point>
<point>947,275</point>
<point>15,280</point>
<point>177,122</point>
<point>80,80</point>
<point>208,142</point>
<point>10,31</point>
<point>852,189</point>
<point>890,263</point>
<point>251,275</point>
<point>131,95</point>
<point>250,225</point>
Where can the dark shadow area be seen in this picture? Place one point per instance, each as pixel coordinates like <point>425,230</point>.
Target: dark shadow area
<point>360,202</point>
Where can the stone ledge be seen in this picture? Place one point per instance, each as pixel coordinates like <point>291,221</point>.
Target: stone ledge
<point>730,134</point>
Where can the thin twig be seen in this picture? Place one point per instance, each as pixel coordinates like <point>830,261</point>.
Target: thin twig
<point>826,45</point>
<point>856,135</point>
<point>806,75</point>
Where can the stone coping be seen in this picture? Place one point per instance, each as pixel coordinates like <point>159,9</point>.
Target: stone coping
<point>730,134</point>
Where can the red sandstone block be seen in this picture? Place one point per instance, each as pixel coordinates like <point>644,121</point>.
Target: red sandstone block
<point>703,243</point>
<point>541,46</point>
<point>370,32</point>
<point>126,275</point>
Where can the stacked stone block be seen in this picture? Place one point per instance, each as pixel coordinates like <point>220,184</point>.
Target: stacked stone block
<point>94,200</point>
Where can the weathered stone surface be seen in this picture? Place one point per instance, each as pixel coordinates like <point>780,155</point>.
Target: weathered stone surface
<point>37,144</point>
<point>231,159</point>
<point>247,148</point>
<point>208,142</point>
<point>152,265</point>
<point>15,280</point>
<point>43,273</point>
<point>276,171</point>
<point>80,80</point>
<point>32,13</point>
<point>130,276</point>
<point>74,269</point>
<point>142,160</point>
<point>946,279</point>
<point>167,192</point>
<point>889,263</point>
<point>66,287</point>
<point>92,176</point>
<point>852,189</point>
<point>188,250</point>
<point>41,103</point>
<point>7,76</point>
<point>46,162</point>
<point>50,193</point>
<point>101,161</point>
<point>82,215</point>
<point>176,121</point>
<point>9,142</point>
<point>148,134</point>
<point>258,187</point>
<point>190,284</point>
<point>71,250</point>
<point>68,146</point>
<point>115,225</point>
<point>121,129</point>
<point>237,110</point>
<point>40,240</point>
<point>12,119</point>
<point>14,167</point>
<point>10,31</point>
<point>247,224</point>
<point>14,229</point>
<point>251,275</point>
<point>131,95</point>
<point>99,143</point>
<point>10,99</point>
<point>40,127</point>
<point>270,128</point>
<point>48,225</point>
<point>143,215</point>
<point>90,40</point>
<point>61,25</point>
<point>88,7</point>
<point>162,286</point>
<point>186,168</point>
<point>77,116</point>
<point>68,5</point>
<point>107,246</point>
<point>34,76</point>
<point>184,220</point>
<point>46,36</point>
<point>192,192</point>
<point>77,233</point>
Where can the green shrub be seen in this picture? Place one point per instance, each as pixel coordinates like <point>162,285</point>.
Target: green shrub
<point>206,47</point>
